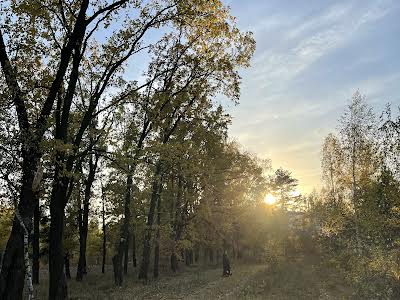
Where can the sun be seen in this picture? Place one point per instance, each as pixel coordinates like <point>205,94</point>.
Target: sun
<point>270,199</point>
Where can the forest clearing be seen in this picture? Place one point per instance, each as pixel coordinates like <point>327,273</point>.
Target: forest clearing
<point>199,149</point>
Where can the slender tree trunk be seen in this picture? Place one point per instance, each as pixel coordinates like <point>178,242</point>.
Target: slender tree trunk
<point>177,225</point>
<point>66,265</point>
<point>144,267</point>
<point>117,261</point>
<point>354,198</point>
<point>117,264</point>
<point>174,262</point>
<point>103,214</point>
<point>191,256</point>
<point>35,242</point>
<point>117,269</point>
<point>196,254</point>
<point>134,248</point>
<point>156,255</point>
<point>126,254</point>
<point>157,241</point>
<point>187,258</point>
<point>84,219</point>
<point>79,273</point>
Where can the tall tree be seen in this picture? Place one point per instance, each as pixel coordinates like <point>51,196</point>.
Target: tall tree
<point>83,216</point>
<point>12,272</point>
<point>356,128</point>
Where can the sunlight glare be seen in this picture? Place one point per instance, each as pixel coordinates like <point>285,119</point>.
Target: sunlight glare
<point>270,199</point>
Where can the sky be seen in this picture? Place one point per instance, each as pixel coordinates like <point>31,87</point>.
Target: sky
<point>311,57</point>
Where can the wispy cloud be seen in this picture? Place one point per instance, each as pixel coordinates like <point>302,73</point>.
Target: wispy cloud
<point>310,40</point>
<point>330,16</point>
<point>302,75</point>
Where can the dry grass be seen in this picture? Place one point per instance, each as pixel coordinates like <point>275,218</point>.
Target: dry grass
<point>295,280</point>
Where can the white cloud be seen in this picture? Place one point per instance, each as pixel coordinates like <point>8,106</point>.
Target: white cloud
<point>332,15</point>
<point>330,30</point>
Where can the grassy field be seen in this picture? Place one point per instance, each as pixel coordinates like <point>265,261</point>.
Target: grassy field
<point>294,280</point>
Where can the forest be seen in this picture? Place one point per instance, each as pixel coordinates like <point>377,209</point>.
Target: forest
<point>119,178</point>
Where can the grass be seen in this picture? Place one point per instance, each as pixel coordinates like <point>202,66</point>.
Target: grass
<point>287,280</point>
<point>299,279</point>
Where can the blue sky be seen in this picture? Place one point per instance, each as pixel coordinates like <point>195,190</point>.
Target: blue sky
<point>311,57</point>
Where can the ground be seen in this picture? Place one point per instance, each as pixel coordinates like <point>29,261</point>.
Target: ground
<point>289,280</point>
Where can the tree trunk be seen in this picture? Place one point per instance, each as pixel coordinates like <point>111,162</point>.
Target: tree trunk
<point>81,268</point>
<point>156,254</point>
<point>187,258</point>
<point>354,199</point>
<point>35,243</point>
<point>196,254</point>
<point>104,232</point>
<point>28,269</point>
<point>84,219</point>
<point>79,272</point>
<point>12,273</point>
<point>157,241</point>
<point>134,248</point>
<point>126,254</point>
<point>117,270</point>
<point>177,226</point>
<point>174,262</point>
<point>13,270</point>
<point>117,261</point>
<point>66,265</point>
<point>144,267</point>
<point>191,256</point>
<point>57,282</point>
